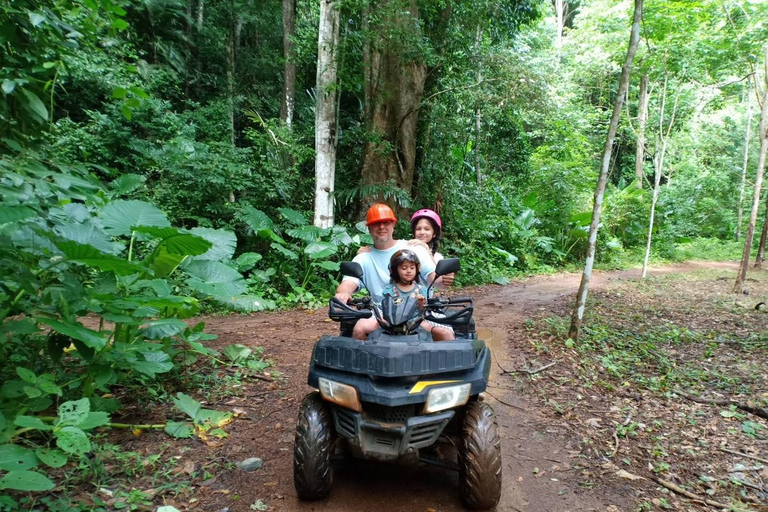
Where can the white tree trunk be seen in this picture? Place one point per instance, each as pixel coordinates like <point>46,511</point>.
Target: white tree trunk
<point>581,296</point>
<point>560,14</point>
<point>325,113</point>
<point>658,169</point>
<point>744,165</point>
<point>738,287</point>
<point>642,116</point>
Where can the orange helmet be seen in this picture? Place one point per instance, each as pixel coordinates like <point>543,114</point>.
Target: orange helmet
<point>380,213</point>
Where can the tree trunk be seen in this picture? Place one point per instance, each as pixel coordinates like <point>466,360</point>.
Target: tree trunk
<point>325,113</point>
<point>560,14</point>
<point>744,164</point>
<point>289,69</point>
<point>658,169</point>
<point>478,112</point>
<point>394,88</point>
<point>760,258</point>
<point>738,287</point>
<point>581,297</point>
<point>231,82</point>
<point>642,116</point>
<point>200,14</point>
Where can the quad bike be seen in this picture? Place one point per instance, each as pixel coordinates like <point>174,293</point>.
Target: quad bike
<point>398,396</point>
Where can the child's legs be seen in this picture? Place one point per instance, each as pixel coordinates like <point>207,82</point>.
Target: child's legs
<point>438,333</point>
<point>364,327</point>
<point>442,334</point>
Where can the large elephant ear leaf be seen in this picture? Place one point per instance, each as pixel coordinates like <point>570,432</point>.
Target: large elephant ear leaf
<point>294,217</point>
<point>223,244</point>
<point>318,250</point>
<point>120,217</point>
<point>214,279</point>
<point>176,241</point>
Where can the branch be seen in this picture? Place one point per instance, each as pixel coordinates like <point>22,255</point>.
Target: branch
<point>757,411</point>
<point>726,450</point>
<point>529,372</point>
<point>458,87</point>
<point>688,494</point>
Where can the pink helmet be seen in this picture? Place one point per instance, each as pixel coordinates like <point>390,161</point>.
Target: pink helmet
<point>429,214</point>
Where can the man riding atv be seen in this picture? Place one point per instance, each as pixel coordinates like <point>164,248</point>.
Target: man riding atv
<point>381,220</point>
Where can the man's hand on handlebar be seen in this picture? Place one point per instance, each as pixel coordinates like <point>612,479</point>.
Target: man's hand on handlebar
<point>343,297</point>
<point>448,279</point>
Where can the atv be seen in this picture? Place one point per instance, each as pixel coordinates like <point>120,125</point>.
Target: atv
<point>399,396</point>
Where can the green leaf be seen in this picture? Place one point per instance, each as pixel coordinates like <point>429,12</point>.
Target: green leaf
<point>26,481</point>
<point>94,419</point>
<point>306,234</point>
<point>236,352</point>
<point>285,252</point>
<point>328,265</point>
<point>247,260</point>
<point>163,328</point>
<point>175,241</point>
<point>319,250</point>
<point>90,338</point>
<point>126,183</point>
<point>51,458</point>
<point>178,430</point>
<point>35,18</point>
<point>49,387</point>
<point>119,92</point>
<point>13,214</point>
<point>73,440</point>
<point>187,405</point>
<point>294,217</point>
<point>16,458</point>
<point>246,303</point>
<point>9,86</point>
<point>92,257</point>
<point>126,111</point>
<point>26,375</point>
<point>223,244</point>
<point>32,422</point>
<point>119,24</point>
<point>73,412</point>
<point>215,279</point>
<point>121,217</point>
<point>89,234</point>
<point>35,105</point>
<point>155,361</point>
<point>164,263</point>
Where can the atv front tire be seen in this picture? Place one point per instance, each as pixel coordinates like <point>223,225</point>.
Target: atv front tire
<point>312,449</point>
<point>479,458</point>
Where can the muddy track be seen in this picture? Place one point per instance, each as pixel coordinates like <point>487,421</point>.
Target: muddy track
<point>538,463</point>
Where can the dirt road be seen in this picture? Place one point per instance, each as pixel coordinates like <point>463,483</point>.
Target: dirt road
<point>538,471</point>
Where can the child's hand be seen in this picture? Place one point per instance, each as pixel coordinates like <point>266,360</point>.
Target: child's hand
<point>422,300</point>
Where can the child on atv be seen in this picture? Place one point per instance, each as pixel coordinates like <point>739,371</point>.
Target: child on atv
<point>404,270</point>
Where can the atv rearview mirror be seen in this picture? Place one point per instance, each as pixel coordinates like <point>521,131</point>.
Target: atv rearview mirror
<point>447,266</point>
<point>352,269</point>
<point>443,267</point>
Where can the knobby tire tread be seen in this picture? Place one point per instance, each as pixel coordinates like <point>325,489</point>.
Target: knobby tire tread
<point>312,471</point>
<point>480,458</point>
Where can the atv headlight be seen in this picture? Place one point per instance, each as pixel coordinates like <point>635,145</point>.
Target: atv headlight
<point>342,394</point>
<point>445,398</point>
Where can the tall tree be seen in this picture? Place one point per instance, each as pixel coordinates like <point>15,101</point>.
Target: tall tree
<point>744,165</point>
<point>738,287</point>
<point>658,167</point>
<point>642,117</point>
<point>395,72</point>
<point>325,113</point>
<point>581,296</point>
<point>287,102</point>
